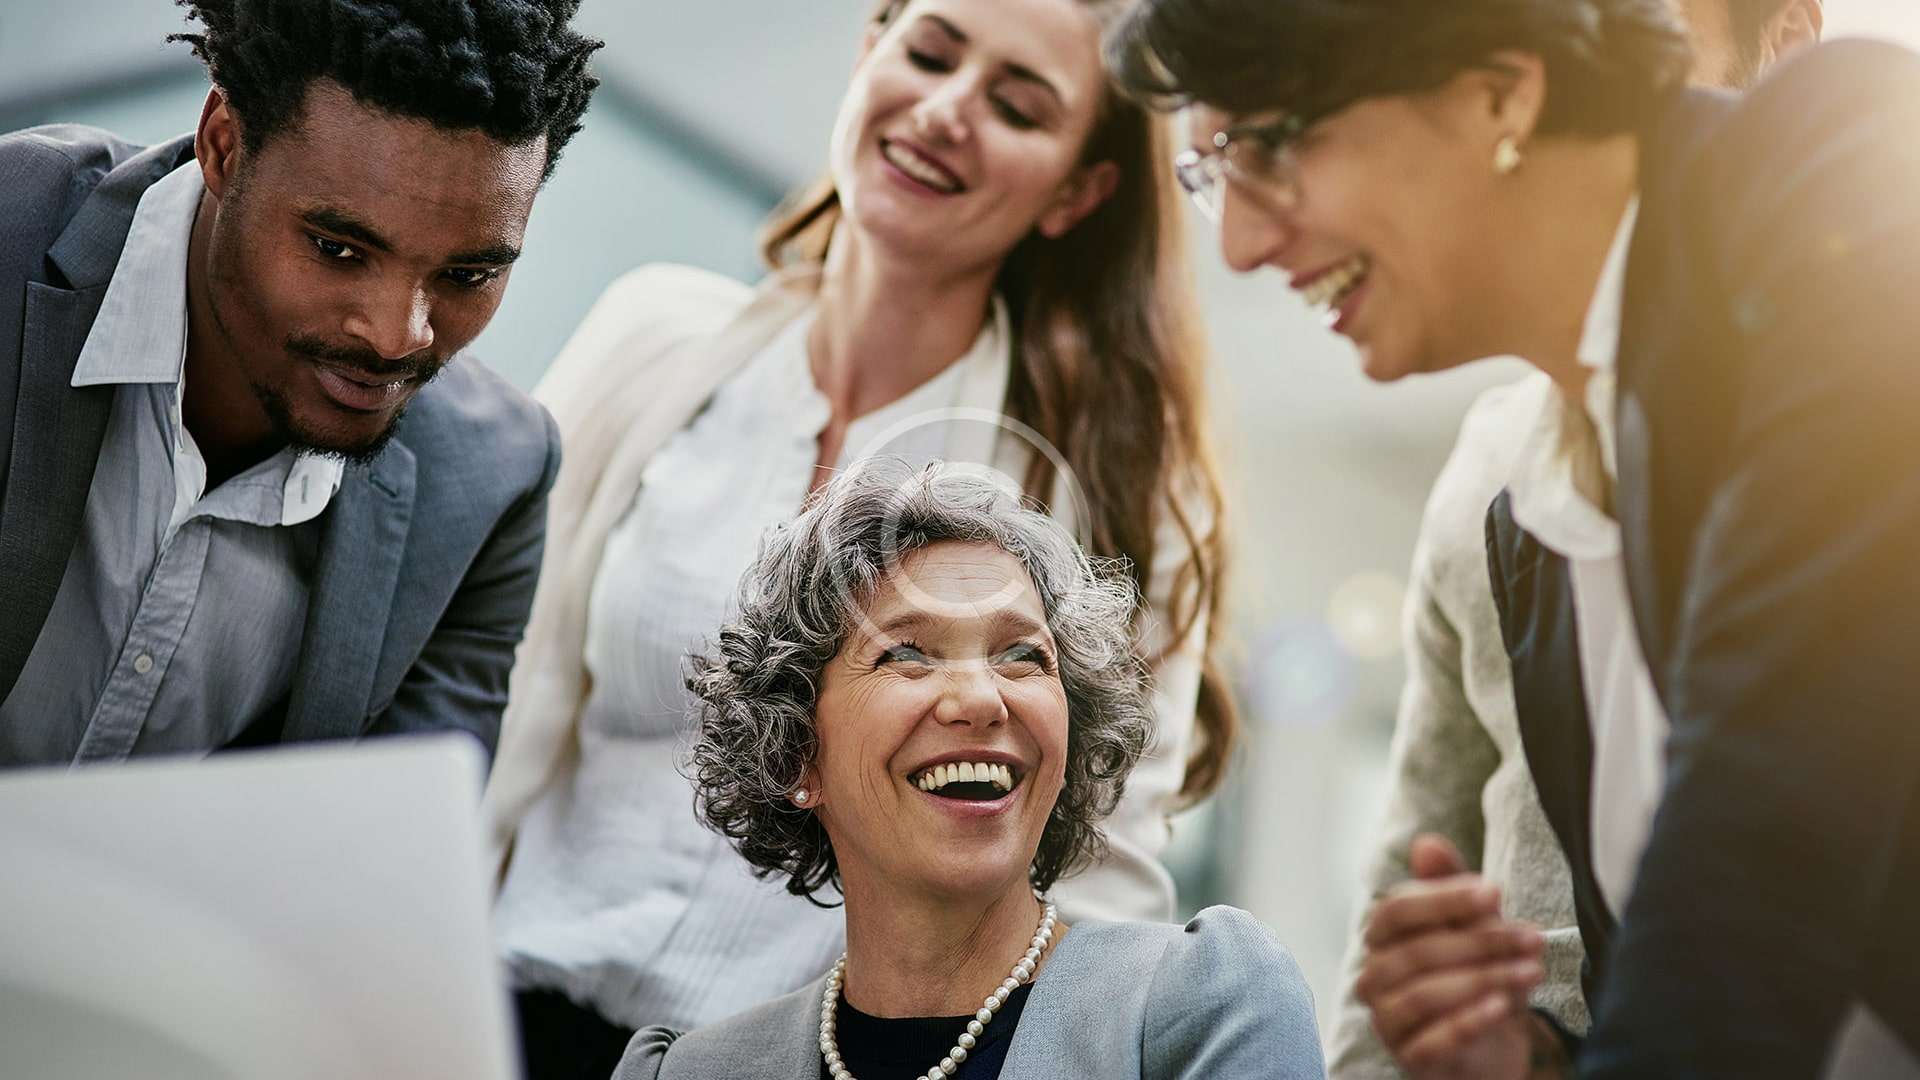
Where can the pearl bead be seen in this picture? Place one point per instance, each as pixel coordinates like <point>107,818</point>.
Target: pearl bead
<point>959,1054</point>
<point>967,1041</point>
<point>975,1027</point>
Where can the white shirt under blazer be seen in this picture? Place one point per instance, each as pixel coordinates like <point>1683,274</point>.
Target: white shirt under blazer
<point>613,892</point>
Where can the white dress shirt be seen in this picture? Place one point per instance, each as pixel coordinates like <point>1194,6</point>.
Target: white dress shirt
<point>1629,723</point>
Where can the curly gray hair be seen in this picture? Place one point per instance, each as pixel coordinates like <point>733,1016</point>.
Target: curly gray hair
<point>807,591</point>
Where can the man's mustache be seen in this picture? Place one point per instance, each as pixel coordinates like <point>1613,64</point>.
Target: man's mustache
<point>420,366</point>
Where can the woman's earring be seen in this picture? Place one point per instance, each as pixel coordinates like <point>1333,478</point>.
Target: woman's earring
<point>801,797</point>
<point>1506,156</point>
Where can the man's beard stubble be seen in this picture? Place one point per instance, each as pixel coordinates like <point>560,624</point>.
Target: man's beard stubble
<point>305,440</point>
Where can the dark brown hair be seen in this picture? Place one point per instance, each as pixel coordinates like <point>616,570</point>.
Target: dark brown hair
<point>1609,63</point>
<point>1108,366</point>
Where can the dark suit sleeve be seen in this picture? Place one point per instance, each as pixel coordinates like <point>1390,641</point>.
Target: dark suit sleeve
<point>1793,681</point>
<point>459,682</point>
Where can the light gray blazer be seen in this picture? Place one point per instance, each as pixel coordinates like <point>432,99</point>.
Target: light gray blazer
<point>1219,998</point>
<point>428,555</point>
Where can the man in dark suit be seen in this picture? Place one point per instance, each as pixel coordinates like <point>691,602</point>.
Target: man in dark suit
<point>1716,289</point>
<point>253,492</point>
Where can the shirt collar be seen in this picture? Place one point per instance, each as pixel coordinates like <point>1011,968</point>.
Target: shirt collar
<point>140,335</point>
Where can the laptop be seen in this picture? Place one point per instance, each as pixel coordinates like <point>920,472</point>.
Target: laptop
<point>316,912</point>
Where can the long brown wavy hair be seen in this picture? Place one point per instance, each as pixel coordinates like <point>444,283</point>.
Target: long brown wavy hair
<point>1109,361</point>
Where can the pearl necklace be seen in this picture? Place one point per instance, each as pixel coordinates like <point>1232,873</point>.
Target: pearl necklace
<point>1022,974</point>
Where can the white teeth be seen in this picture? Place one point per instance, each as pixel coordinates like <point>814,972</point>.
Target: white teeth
<point>1329,289</point>
<point>915,166</point>
<point>939,776</point>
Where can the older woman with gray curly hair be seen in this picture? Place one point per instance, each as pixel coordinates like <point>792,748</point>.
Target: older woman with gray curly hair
<point>928,701</point>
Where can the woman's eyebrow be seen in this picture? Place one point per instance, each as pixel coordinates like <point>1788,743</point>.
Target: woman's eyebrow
<point>1018,622</point>
<point>951,30</point>
<point>906,620</point>
<point>1027,74</point>
<point>1018,71</point>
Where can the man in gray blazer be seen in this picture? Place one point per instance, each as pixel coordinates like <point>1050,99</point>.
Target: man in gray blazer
<point>250,491</point>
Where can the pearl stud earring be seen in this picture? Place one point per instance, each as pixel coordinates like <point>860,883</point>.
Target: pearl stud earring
<point>1506,156</point>
<point>801,796</point>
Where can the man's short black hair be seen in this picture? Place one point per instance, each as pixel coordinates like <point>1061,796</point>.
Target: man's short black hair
<point>1607,61</point>
<point>514,69</point>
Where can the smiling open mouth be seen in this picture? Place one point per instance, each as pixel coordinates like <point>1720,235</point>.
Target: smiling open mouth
<point>968,781</point>
<point>929,173</point>
<point>1327,292</point>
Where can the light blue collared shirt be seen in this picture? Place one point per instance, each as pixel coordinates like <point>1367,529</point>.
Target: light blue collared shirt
<point>179,617</point>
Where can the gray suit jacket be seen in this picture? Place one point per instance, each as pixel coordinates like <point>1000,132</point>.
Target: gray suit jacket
<point>1219,999</point>
<point>428,556</point>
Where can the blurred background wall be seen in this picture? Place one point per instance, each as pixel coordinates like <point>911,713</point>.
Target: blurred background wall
<point>709,112</point>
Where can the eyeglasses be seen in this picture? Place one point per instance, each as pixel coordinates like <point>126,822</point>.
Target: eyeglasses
<point>1258,156</point>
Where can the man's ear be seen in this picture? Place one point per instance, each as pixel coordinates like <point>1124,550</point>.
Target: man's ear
<point>1082,194</point>
<point>217,144</point>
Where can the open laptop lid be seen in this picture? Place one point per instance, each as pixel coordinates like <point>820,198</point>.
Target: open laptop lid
<point>306,912</point>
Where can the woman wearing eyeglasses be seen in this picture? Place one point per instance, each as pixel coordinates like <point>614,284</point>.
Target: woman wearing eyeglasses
<point>991,274</point>
<point>1720,504</point>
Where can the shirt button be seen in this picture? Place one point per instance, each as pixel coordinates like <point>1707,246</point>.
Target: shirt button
<point>143,663</point>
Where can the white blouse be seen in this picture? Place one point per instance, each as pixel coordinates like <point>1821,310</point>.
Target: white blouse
<point>617,895</point>
<point>1629,723</point>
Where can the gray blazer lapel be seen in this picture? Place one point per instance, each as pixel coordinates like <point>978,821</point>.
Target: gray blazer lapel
<point>351,602</point>
<point>57,430</point>
<point>57,433</point>
<point>1087,1013</point>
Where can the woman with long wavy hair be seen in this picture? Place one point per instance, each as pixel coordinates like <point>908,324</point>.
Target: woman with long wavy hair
<point>992,274</point>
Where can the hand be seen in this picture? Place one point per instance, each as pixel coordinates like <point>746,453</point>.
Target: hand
<point>1446,977</point>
